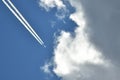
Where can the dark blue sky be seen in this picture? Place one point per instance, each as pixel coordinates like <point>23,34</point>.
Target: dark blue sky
<point>20,54</point>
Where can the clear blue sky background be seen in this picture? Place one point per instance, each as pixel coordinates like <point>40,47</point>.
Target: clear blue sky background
<point>20,54</point>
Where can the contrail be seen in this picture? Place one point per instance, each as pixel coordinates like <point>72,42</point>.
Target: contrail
<point>19,16</point>
<point>25,21</point>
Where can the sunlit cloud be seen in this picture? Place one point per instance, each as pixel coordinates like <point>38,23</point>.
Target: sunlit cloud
<point>77,57</point>
<point>62,11</point>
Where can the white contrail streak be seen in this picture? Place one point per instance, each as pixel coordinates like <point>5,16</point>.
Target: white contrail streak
<point>25,21</point>
<point>19,16</point>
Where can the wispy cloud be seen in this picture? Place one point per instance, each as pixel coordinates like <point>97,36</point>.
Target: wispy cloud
<point>19,16</point>
<point>48,4</point>
<point>61,7</point>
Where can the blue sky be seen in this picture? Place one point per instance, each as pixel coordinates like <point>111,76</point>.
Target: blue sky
<point>81,37</point>
<point>21,55</point>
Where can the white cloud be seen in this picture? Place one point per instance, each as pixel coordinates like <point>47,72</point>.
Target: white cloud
<point>76,57</point>
<point>46,67</point>
<point>72,53</point>
<point>61,7</point>
<point>47,4</point>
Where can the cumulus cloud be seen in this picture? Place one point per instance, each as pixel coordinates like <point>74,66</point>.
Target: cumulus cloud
<point>89,55</point>
<point>61,7</point>
<point>47,4</point>
<point>104,20</point>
